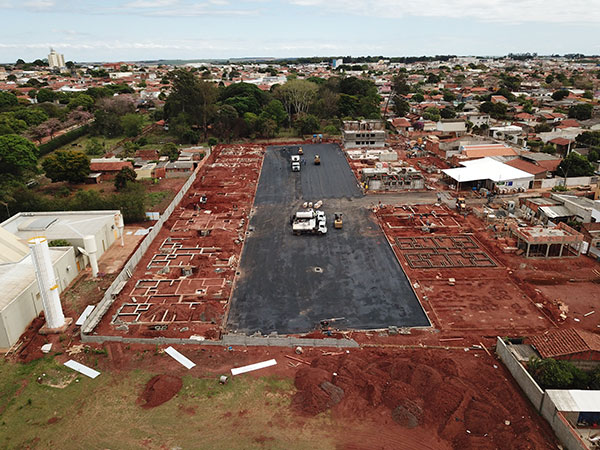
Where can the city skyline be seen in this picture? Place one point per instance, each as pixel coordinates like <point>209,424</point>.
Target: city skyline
<point>179,29</point>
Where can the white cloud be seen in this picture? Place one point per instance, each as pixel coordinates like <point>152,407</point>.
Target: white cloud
<point>40,5</point>
<point>504,11</point>
<point>150,3</point>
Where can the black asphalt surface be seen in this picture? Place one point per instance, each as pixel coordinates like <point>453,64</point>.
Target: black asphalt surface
<point>290,283</point>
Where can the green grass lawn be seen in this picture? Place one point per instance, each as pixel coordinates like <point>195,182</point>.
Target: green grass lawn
<point>102,413</point>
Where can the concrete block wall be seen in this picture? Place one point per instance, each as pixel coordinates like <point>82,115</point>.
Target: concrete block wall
<point>563,430</point>
<point>232,340</point>
<point>542,402</point>
<point>520,374</point>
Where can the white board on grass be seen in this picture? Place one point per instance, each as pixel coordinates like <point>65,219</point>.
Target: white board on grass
<point>85,370</point>
<point>84,315</point>
<point>251,367</point>
<point>179,358</point>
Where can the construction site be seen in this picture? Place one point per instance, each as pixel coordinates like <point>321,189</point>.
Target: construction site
<point>384,312</point>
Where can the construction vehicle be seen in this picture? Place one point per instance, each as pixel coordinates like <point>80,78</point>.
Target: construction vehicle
<point>317,160</point>
<point>300,151</point>
<point>295,163</point>
<point>461,204</point>
<point>337,221</point>
<point>309,222</point>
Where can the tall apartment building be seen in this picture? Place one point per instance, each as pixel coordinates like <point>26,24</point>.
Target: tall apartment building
<point>56,60</point>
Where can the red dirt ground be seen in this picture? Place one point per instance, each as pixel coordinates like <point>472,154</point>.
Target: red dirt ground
<point>159,389</point>
<point>449,392</point>
<point>421,399</point>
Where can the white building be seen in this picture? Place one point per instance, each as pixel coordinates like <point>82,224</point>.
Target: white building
<point>56,60</point>
<point>491,174</point>
<point>20,301</point>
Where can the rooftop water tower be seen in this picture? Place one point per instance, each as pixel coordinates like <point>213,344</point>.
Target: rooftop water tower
<point>44,273</point>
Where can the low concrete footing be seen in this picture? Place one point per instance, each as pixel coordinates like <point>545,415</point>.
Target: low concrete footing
<point>46,330</point>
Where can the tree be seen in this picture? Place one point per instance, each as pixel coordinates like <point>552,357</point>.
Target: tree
<point>431,113</point>
<point>401,106</point>
<point>581,111</point>
<point>7,99</point>
<point>93,147</point>
<point>53,125</point>
<point>45,95</point>
<point>67,165</point>
<point>38,132</point>
<point>224,122</point>
<point>296,96</point>
<point>575,165</point>
<point>560,94</point>
<point>170,150</point>
<point>32,116</point>
<point>418,98</point>
<point>192,97</point>
<point>448,113</point>
<point>549,79</point>
<point>125,176</point>
<point>9,124</point>
<point>18,155</point>
<point>553,374</point>
<point>274,110</point>
<point>132,124</point>
<point>82,100</point>
<point>449,96</point>
<point>307,124</point>
<point>132,202</point>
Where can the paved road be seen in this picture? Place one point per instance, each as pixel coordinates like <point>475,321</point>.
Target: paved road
<point>289,283</point>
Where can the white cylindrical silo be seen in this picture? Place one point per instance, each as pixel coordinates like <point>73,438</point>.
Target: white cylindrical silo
<point>89,244</point>
<point>120,226</point>
<point>44,273</point>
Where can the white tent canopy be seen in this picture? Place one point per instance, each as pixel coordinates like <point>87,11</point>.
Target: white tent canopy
<point>485,169</point>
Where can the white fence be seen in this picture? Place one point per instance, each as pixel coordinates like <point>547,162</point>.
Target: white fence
<point>548,183</point>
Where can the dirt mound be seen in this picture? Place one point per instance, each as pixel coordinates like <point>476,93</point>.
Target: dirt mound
<point>454,397</point>
<point>409,414</point>
<point>307,377</point>
<point>159,389</point>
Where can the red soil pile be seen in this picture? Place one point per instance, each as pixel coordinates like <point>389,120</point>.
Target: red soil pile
<point>455,396</point>
<point>160,389</point>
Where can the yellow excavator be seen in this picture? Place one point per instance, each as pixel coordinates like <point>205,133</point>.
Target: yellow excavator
<point>337,221</point>
<point>461,204</point>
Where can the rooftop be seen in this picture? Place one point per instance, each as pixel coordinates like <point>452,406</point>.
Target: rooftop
<point>16,277</point>
<point>58,225</point>
<point>565,342</point>
<point>485,169</point>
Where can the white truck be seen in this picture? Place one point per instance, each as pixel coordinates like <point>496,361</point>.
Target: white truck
<point>309,222</point>
<point>295,163</point>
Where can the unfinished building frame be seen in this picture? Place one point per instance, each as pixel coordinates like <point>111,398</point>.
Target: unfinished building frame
<point>561,241</point>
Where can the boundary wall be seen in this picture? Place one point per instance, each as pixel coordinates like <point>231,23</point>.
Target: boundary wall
<point>540,400</point>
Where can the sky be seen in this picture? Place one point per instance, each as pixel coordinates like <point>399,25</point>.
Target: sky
<point>133,30</point>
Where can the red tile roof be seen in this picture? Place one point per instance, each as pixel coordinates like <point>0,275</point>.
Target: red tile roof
<point>569,123</point>
<point>526,166</point>
<point>561,141</point>
<point>565,342</point>
<point>109,166</point>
